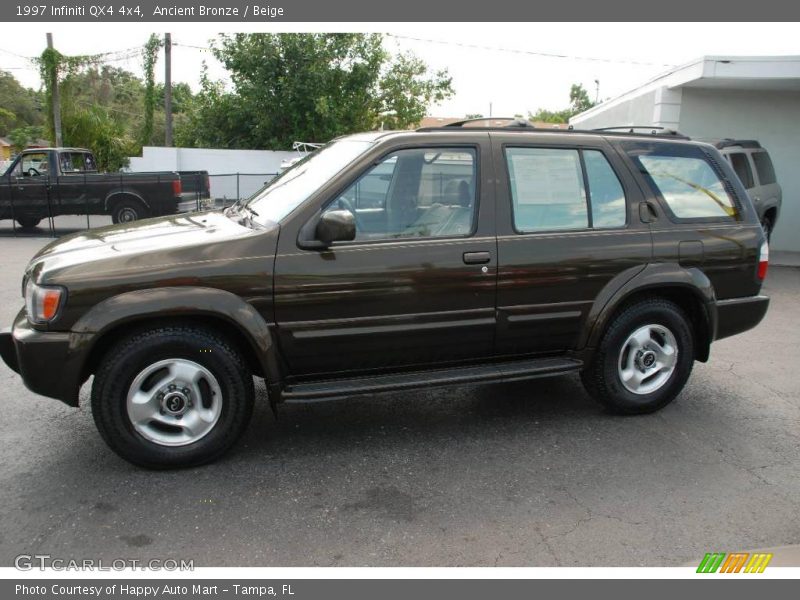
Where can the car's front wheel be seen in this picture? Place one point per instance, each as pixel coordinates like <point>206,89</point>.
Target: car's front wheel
<point>172,397</point>
<point>644,359</point>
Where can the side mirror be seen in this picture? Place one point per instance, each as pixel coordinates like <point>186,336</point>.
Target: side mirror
<point>336,226</point>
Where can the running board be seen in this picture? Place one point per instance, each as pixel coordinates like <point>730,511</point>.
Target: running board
<point>507,371</point>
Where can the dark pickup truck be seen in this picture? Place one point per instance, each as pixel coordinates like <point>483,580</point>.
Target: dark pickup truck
<point>47,182</point>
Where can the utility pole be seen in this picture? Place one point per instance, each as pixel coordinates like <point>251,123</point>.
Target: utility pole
<point>56,97</point>
<point>168,89</point>
<point>597,91</point>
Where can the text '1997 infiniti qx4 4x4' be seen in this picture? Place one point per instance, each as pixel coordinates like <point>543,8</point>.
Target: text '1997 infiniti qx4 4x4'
<point>394,260</point>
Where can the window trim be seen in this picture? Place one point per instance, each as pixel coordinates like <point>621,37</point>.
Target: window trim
<point>474,147</point>
<point>587,189</point>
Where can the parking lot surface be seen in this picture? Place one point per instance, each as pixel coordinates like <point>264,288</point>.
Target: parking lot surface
<point>523,474</point>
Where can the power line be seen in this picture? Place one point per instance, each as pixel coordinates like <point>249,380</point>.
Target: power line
<point>527,52</point>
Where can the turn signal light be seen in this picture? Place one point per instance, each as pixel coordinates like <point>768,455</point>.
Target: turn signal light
<point>42,302</point>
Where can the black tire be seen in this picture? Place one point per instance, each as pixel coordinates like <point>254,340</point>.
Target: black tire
<point>129,357</point>
<point>28,222</point>
<point>602,378</point>
<point>128,210</point>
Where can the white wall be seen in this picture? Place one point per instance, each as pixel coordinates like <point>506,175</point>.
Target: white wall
<point>254,166</point>
<point>772,118</point>
<point>635,111</point>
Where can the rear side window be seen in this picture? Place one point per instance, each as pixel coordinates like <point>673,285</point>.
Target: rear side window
<point>741,165</point>
<point>685,178</point>
<point>549,190</point>
<point>605,191</point>
<point>764,168</point>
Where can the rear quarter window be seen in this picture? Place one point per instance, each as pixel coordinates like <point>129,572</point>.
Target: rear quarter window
<point>764,168</point>
<point>741,165</point>
<point>686,179</point>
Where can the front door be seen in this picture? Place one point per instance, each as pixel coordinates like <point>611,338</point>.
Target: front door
<point>29,193</point>
<point>416,288</point>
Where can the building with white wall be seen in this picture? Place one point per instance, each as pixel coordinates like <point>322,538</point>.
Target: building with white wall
<point>743,97</point>
<point>232,173</point>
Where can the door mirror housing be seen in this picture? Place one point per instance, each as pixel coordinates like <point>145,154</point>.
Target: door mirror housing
<point>335,226</point>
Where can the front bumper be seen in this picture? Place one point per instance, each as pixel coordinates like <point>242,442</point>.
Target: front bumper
<point>736,315</point>
<point>50,362</point>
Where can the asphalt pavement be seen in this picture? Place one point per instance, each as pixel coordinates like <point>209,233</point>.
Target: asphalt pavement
<point>523,474</point>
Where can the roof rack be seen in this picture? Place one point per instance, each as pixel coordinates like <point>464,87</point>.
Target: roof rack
<point>523,125</point>
<point>654,130</point>
<point>493,123</point>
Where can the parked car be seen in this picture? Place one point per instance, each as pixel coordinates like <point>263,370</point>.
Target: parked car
<point>47,182</point>
<point>753,165</point>
<point>488,254</point>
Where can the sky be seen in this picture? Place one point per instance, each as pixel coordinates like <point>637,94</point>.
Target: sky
<point>512,68</point>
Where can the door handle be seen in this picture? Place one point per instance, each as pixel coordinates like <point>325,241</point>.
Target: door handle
<point>476,258</point>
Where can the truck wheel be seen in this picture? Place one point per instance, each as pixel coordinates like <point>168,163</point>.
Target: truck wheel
<point>28,222</point>
<point>172,397</point>
<point>644,359</point>
<point>127,211</point>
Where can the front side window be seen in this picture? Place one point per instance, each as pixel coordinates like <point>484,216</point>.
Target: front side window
<point>295,185</point>
<point>742,168</point>
<point>34,164</point>
<point>685,179</point>
<point>764,168</point>
<point>414,193</point>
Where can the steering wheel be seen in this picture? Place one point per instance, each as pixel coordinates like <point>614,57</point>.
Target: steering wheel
<point>347,205</point>
<point>33,171</point>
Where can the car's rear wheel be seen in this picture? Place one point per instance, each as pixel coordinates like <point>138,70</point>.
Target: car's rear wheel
<point>172,397</point>
<point>129,210</point>
<point>644,358</point>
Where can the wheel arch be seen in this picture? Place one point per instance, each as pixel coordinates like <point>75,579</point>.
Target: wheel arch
<point>222,312</point>
<point>689,288</point>
<point>118,195</point>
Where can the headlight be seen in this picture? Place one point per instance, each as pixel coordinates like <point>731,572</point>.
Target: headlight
<point>42,301</point>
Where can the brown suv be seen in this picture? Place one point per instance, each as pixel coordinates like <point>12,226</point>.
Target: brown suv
<point>390,261</point>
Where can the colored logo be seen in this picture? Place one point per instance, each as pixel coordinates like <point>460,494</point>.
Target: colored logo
<point>735,562</point>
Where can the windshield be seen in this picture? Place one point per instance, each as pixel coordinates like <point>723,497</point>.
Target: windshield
<point>292,187</point>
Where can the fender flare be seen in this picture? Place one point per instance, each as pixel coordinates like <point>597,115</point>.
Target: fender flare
<point>184,301</point>
<point>123,192</point>
<point>653,276</point>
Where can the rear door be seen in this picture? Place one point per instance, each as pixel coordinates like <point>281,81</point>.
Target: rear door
<point>416,288</point>
<point>568,225</point>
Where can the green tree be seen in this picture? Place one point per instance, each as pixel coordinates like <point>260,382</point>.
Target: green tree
<point>22,137</point>
<point>19,106</point>
<point>578,102</point>
<point>310,87</point>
